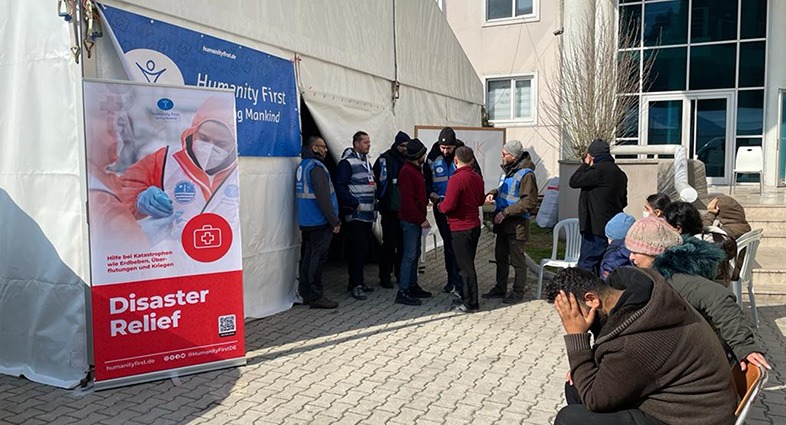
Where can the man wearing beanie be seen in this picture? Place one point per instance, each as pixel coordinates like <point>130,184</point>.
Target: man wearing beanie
<point>386,170</point>
<point>514,199</point>
<point>604,193</point>
<point>439,168</point>
<point>616,254</point>
<point>688,265</point>
<point>412,213</point>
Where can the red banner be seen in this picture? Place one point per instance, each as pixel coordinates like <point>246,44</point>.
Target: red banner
<point>163,203</point>
<point>163,324</point>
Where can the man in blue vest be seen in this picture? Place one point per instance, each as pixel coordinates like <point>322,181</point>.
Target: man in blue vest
<point>317,216</point>
<point>439,167</point>
<point>386,170</point>
<point>355,187</point>
<point>515,198</point>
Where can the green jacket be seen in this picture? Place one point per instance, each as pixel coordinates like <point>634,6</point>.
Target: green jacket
<point>690,268</point>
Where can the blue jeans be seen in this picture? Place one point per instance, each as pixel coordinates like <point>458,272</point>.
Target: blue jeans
<point>412,234</point>
<point>592,249</point>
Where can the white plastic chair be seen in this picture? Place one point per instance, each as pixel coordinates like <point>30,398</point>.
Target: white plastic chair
<point>572,249</point>
<point>749,242</point>
<point>749,160</point>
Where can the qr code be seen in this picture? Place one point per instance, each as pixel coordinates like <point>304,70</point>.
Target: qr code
<point>226,325</point>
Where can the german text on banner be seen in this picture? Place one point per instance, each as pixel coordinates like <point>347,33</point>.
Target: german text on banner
<point>157,52</point>
<point>163,209</point>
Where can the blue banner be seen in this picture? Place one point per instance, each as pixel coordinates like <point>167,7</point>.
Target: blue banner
<point>264,85</point>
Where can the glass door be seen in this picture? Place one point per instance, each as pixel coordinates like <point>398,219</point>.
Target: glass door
<point>702,123</point>
<point>782,140</point>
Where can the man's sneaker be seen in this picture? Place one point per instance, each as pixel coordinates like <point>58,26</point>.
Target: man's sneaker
<point>405,298</point>
<point>513,298</point>
<point>323,303</point>
<point>461,308</point>
<point>386,284</point>
<point>418,292</point>
<point>366,288</point>
<point>457,301</point>
<point>358,293</point>
<point>494,293</point>
<point>448,288</point>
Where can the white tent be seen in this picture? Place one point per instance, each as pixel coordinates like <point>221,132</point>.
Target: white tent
<point>378,66</point>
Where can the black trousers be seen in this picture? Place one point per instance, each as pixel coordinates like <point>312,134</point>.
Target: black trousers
<point>509,250</point>
<point>465,245</point>
<point>314,252</point>
<point>450,257</point>
<point>392,242</point>
<point>576,413</point>
<point>359,240</point>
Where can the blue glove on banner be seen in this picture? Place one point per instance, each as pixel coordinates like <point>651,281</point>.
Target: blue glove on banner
<point>154,202</point>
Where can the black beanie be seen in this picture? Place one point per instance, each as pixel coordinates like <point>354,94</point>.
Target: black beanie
<point>598,147</point>
<point>447,137</point>
<point>415,149</point>
<point>401,137</point>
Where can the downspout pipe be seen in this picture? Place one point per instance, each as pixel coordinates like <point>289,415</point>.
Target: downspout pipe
<point>686,191</point>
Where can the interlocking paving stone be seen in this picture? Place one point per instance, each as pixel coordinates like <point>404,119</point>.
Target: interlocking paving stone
<point>372,362</point>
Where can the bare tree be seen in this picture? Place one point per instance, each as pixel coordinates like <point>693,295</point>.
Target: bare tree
<point>589,94</point>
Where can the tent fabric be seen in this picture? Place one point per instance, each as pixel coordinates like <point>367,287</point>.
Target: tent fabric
<point>346,68</point>
<point>43,248</point>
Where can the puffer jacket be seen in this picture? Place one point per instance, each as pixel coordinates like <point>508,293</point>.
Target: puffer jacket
<point>690,268</point>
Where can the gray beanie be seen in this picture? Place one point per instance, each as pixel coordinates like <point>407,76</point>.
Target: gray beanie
<point>515,148</point>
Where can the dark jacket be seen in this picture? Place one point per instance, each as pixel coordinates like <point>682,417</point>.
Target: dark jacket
<point>730,217</point>
<point>435,153</point>
<point>392,160</point>
<point>689,268</point>
<point>653,353</point>
<point>464,196</point>
<point>413,194</point>
<point>320,181</point>
<point>616,256</point>
<point>514,223</point>
<point>604,193</point>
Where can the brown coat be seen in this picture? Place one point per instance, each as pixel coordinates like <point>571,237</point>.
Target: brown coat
<point>514,223</point>
<point>730,217</point>
<point>654,353</point>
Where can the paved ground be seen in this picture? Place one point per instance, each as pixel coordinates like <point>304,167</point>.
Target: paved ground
<point>370,362</point>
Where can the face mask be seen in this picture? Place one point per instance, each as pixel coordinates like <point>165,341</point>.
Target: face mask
<point>208,154</point>
<point>645,214</point>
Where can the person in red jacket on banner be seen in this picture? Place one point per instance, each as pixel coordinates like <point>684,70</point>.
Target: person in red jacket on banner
<point>412,189</point>
<point>464,196</point>
<point>168,187</point>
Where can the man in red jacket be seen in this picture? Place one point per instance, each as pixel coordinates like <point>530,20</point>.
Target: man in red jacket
<point>412,189</point>
<point>464,195</point>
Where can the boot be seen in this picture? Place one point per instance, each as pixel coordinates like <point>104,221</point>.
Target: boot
<point>323,303</point>
<point>417,292</point>
<point>405,298</point>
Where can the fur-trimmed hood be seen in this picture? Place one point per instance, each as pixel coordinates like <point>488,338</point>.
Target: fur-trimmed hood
<point>693,257</point>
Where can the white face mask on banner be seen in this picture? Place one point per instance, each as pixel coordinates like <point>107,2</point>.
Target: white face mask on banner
<point>208,154</point>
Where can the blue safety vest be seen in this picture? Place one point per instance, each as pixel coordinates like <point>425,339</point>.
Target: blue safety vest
<point>509,190</point>
<point>362,187</point>
<point>308,212</point>
<point>440,173</point>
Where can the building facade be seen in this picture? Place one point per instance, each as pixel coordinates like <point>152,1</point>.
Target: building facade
<point>512,46</point>
<point>716,84</point>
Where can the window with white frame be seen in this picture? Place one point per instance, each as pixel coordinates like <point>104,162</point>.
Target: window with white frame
<point>510,99</point>
<point>503,9</point>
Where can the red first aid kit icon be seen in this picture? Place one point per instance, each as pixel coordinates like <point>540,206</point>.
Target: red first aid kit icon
<point>207,237</point>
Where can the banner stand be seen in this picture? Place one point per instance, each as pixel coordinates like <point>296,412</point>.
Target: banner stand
<point>167,374</point>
